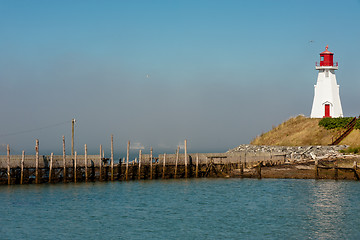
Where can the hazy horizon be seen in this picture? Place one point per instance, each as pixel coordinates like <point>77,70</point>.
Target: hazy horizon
<point>217,73</point>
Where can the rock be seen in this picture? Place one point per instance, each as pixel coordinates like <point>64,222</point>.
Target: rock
<point>296,153</point>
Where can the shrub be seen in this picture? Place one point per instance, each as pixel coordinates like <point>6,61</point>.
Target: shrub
<point>357,124</point>
<point>333,123</point>
<point>354,150</point>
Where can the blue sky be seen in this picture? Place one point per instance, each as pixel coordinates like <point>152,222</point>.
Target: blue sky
<point>156,72</point>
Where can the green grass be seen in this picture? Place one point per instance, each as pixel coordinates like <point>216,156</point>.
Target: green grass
<point>355,150</point>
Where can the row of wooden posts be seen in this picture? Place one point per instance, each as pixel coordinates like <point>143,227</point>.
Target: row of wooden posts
<point>74,157</point>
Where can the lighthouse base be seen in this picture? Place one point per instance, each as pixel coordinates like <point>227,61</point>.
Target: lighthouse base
<point>326,98</point>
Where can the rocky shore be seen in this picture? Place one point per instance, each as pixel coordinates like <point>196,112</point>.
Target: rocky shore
<point>294,153</point>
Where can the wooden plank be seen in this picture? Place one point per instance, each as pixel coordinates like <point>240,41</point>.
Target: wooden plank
<point>75,167</point>
<point>85,163</point>
<point>51,166</point>
<point>127,161</point>
<point>37,162</point>
<point>22,167</point>
<point>112,157</point>
<point>100,163</point>
<point>151,162</point>
<point>164,166</point>
<point>176,161</point>
<point>186,158</point>
<point>8,164</point>
<point>64,160</point>
<point>139,173</point>
<point>197,166</point>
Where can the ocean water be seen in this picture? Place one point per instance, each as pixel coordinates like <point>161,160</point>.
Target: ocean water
<point>182,209</point>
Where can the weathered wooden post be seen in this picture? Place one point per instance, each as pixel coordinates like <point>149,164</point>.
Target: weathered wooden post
<point>140,156</point>
<point>22,167</point>
<point>100,163</point>
<point>186,158</point>
<point>112,157</point>
<point>197,165</point>
<point>51,166</point>
<point>259,169</point>
<point>75,167</point>
<point>127,161</point>
<point>176,161</point>
<point>241,170</point>
<point>37,162</point>
<point>316,169</point>
<point>72,137</point>
<point>355,168</point>
<point>151,162</point>
<point>85,163</point>
<point>336,171</point>
<point>8,164</point>
<point>64,160</point>
<point>245,158</point>
<point>164,164</point>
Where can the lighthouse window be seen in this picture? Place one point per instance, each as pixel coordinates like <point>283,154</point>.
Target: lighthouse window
<point>322,58</point>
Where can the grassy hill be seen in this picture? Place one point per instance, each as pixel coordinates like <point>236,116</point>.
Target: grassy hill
<point>300,130</point>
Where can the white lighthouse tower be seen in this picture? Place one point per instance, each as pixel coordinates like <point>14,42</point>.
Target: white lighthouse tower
<point>326,99</point>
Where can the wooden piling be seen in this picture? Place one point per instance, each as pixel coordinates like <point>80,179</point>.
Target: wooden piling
<point>64,160</point>
<point>355,168</point>
<point>112,157</point>
<point>85,163</point>
<point>241,170</point>
<point>259,169</point>
<point>22,167</point>
<point>127,161</point>
<point>37,162</point>
<point>151,162</point>
<point>336,171</point>
<point>72,137</point>
<point>75,166</point>
<point>176,161</point>
<point>197,166</point>
<point>139,173</point>
<point>245,159</point>
<point>164,164</point>
<point>100,163</point>
<point>316,169</point>
<point>186,158</point>
<point>51,166</point>
<point>8,164</point>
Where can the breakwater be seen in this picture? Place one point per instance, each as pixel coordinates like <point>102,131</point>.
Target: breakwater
<point>25,169</point>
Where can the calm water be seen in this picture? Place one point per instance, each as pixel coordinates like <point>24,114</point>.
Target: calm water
<point>183,209</point>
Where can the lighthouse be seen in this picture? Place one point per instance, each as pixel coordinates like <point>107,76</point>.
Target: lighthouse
<point>326,98</point>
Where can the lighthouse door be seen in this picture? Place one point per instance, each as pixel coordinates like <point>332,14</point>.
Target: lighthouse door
<point>327,110</point>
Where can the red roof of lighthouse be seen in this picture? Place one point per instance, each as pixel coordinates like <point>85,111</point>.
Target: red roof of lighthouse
<point>326,51</point>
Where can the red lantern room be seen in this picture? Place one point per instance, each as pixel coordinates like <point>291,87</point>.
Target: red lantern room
<point>326,58</point>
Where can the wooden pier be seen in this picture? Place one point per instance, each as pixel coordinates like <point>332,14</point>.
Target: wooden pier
<point>27,169</point>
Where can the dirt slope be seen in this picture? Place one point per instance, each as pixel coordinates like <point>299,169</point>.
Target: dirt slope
<point>299,131</point>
